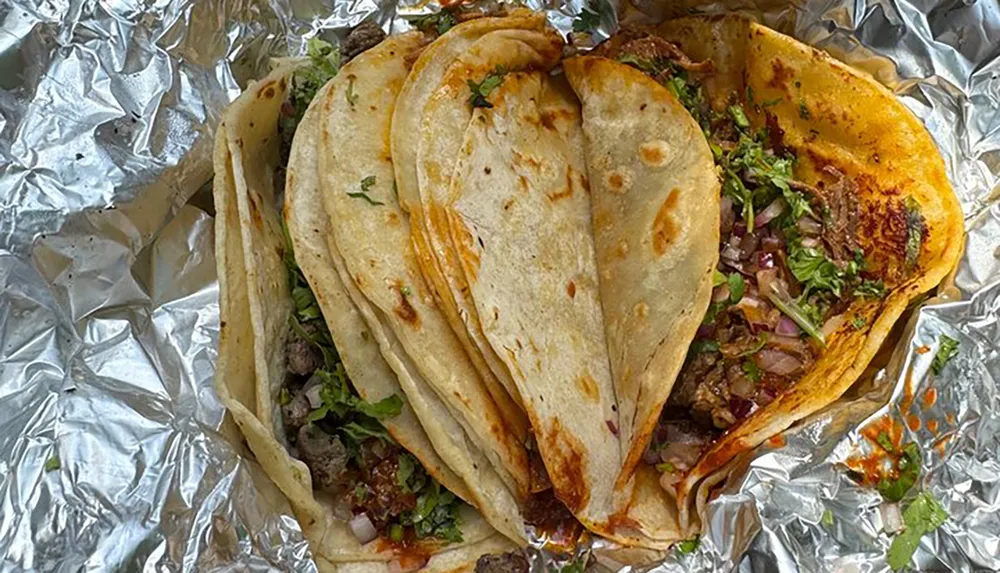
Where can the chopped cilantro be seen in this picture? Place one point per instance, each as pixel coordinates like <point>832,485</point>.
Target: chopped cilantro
<point>873,289</point>
<point>827,518</point>
<point>752,371</point>
<point>739,117</point>
<point>284,398</point>
<point>701,345</point>
<point>771,102</point>
<point>758,344</point>
<point>52,464</point>
<point>439,22</point>
<point>737,286</point>
<point>324,63</point>
<point>404,471</point>
<point>813,269</point>
<point>718,278</point>
<point>883,440</point>
<point>907,472</point>
<point>858,322</point>
<point>366,185</point>
<point>688,545</point>
<point>947,349</point>
<point>396,532</point>
<point>921,517</point>
<point>405,291</point>
<point>482,90</point>
<point>666,467</point>
<point>803,110</point>
<point>586,20</point>
<point>914,231</point>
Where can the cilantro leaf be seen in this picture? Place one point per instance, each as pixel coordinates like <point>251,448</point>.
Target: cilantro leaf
<point>52,464</point>
<point>586,20</point>
<point>386,408</point>
<point>752,371</point>
<point>797,313</point>
<point>718,278</point>
<point>666,467</point>
<point>947,349</point>
<point>737,286</point>
<point>366,185</point>
<point>689,545</point>
<point>858,322</point>
<point>404,471</point>
<point>921,517</point>
<point>439,22</point>
<point>482,90</point>
<point>873,289</point>
<point>907,470</point>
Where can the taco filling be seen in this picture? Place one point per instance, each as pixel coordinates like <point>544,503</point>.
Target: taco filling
<point>790,265</point>
<point>382,490</point>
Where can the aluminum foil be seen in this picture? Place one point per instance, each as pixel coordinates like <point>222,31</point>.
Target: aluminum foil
<point>113,451</point>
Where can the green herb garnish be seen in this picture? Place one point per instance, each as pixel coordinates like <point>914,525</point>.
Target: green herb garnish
<point>804,111</point>
<point>666,468</point>
<point>701,345</point>
<point>366,185</point>
<point>883,440</point>
<point>52,464</point>
<point>858,322</point>
<point>586,20</point>
<point>439,22</point>
<point>827,518</point>
<point>482,90</point>
<point>352,98</point>
<point>947,349</point>
<point>688,545</point>
<point>752,371</point>
<point>737,286</point>
<point>798,313</point>
<point>921,517</point>
<point>873,289</point>
<point>718,278</point>
<point>907,473</point>
<point>324,63</point>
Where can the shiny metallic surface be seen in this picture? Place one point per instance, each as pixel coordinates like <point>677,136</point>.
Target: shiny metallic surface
<point>113,451</point>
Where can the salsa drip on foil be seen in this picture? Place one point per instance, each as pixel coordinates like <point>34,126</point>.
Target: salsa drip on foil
<point>790,265</point>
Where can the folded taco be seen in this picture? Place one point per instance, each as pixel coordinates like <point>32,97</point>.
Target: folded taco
<point>301,370</point>
<point>835,214</point>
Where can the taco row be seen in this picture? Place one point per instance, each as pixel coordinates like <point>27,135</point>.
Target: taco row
<point>470,286</point>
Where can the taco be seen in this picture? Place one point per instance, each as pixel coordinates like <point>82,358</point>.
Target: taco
<point>835,215</point>
<point>300,370</point>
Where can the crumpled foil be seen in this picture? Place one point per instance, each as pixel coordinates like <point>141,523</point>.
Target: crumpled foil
<point>113,450</point>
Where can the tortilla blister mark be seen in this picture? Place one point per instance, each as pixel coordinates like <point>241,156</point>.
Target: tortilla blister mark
<point>655,197</point>
<point>423,80</point>
<point>520,217</point>
<point>857,126</point>
<point>376,263</point>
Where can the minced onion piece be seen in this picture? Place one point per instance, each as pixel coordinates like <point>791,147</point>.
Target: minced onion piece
<point>892,518</point>
<point>777,362</point>
<point>362,528</point>
<point>313,394</point>
<point>809,226</point>
<point>731,253</point>
<point>833,324</point>
<point>792,311</point>
<point>776,208</point>
<point>811,242</point>
<point>787,327</point>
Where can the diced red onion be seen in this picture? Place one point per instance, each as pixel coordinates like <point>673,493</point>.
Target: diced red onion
<point>313,394</point>
<point>892,518</point>
<point>809,226</point>
<point>740,407</point>
<point>777,362</point>
<point>787,327</point>
<point>739,229</point>
<point>765,396</point>
<point>705,330</point>
<point>776,208</point>
<point>787,343</point>
<point>832,325</point>
<point>362,528</point>
<point>811,242</point>
<point>757,313</point>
